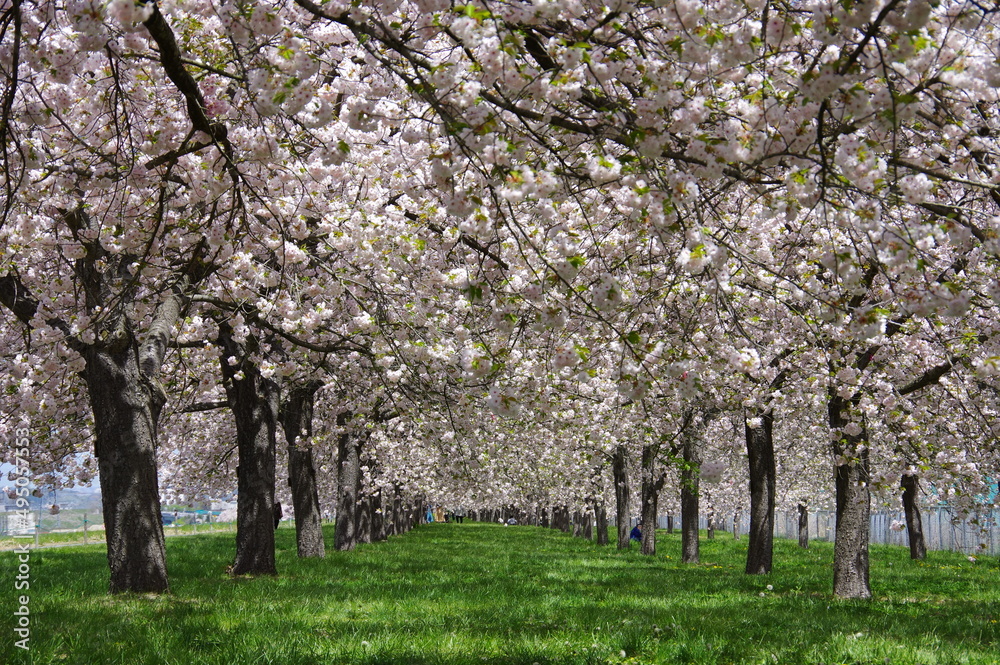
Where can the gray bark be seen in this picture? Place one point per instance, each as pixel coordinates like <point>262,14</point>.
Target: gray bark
<point>126,407</point>
<point>378,517</point>
<point>803,526</point>
<point>365,525</point>
<point>602,523</point>
<point>296,419</point>
<point>760,455</point>
<point>622,495</point>
<point>126,400</point>
<point>254,403</point>
<point>348,488</point>
<point>914,525</point>
<point>850,552</point>
<point>652,483</point>
<point>398,519</point>
<point>690,477</point>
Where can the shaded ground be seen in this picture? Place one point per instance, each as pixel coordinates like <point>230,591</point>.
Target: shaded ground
<point>481,593</point>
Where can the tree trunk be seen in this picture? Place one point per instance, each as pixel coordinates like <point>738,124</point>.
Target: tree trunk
<point>670,523</point>
<point>760,454</point>
<point>126,408</point>
<point>378,517</point>
<point>850,551</point>
<point>588,519</point>
<point>348,487</point>
<point>254,403</point>
<point>365,519</point>
<point>652,483</point>
<point>388,499</point>
<point>419,510</point>
<point>914,525</point>
<point>602,523</point>
<point>413,514</point>
<point>126,400</point>
<point>690,476</point>
<point>577,524</point>
<point>296,420</point>
<point>803,526</point>
<point>396,526</point>
<point>650,503</point>
<point>710,532</point>
<point>623,492</point>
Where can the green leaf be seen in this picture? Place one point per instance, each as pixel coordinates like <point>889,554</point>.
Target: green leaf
<point>473,12</point>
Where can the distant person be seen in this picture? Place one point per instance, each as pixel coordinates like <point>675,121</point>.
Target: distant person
<point>512,522</point>
<point>459,515</point>
<point>277,513</point>
<point>636,534</point>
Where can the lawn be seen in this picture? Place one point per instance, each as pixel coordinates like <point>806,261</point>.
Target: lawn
<point>482,593</point>
<point>96,535</point>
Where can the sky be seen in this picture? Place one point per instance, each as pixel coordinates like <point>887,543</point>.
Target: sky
<point>5,481</point>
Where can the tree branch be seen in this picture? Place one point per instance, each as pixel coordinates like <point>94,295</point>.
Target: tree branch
<point>16,297</point>
<point>954,213</point>
<point>198,407</point>
<point>7,105</point>
<point>154,347</point>
<point>173,65</point>
<point>930,377</point>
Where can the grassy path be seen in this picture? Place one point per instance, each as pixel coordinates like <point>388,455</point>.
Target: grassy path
<point>96,536</point>
<point>481,593</point>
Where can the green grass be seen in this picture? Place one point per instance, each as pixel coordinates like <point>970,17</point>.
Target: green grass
<point>481,593</point>
<point>96,535</point>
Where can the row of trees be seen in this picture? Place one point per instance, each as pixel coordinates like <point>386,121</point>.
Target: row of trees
<point>540,254</point>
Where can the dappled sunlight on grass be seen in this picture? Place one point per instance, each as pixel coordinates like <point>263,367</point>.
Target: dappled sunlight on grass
<point>480,593</point>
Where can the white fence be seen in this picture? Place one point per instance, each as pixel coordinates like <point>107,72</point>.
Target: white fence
<point>943,530</point>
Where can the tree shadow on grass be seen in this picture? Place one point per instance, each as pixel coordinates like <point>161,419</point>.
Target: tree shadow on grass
<point>457,594</point>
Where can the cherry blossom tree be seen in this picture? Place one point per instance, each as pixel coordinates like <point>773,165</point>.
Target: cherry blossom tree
<point>545,214</point>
